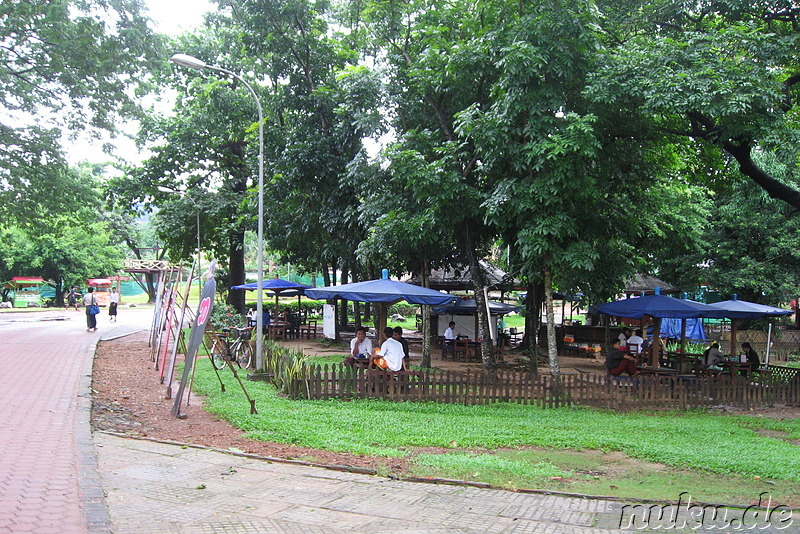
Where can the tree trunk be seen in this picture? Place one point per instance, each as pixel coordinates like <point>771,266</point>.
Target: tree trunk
<point>552,349</point>
<point>426,321</point>
<point>530,341</point>
<point>487,350</point>
<point>343,309</point>
<point>236,270</point>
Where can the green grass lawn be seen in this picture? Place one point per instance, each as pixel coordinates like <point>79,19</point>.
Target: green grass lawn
<point>724,457</point>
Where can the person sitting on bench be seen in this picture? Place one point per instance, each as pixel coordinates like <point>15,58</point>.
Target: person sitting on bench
<point>360,348</point>
<point>617,362</point>
<point>390,355</point>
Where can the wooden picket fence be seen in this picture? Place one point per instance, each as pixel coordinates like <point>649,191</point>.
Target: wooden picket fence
<point>471,387</point>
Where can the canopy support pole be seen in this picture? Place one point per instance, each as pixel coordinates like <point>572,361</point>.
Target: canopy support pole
<point>655,348</point>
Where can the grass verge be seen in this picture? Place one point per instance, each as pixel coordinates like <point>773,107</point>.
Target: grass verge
<point>718,458</point>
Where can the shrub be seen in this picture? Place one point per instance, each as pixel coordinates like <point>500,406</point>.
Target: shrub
<point>225,316</point>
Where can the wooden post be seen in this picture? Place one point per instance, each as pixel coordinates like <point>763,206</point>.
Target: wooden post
<point>655,348</point>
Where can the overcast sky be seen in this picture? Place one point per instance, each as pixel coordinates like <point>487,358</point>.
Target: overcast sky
<point>174,16</point>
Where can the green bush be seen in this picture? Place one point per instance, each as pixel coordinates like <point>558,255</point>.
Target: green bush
<point>225,316</point>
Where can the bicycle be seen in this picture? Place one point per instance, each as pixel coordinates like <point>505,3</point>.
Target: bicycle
<point>232,345</point>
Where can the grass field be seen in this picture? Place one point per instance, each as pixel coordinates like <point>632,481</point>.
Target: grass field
<point>718,458</point>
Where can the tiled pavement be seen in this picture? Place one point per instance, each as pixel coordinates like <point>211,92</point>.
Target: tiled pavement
<point>56,477</point>
<point>159,488</point>
<point>48,474</point>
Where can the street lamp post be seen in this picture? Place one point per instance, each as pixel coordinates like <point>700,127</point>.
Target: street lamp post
<point>194,63</point>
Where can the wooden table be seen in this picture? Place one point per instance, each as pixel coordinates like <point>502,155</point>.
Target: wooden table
<point>657,371</point>
<point>733,367</point>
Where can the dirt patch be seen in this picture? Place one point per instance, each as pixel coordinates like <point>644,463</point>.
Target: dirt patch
<point>128,398</point>
<point>778,434</point>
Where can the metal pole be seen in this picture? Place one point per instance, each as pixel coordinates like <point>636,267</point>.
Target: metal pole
<point>194,63</point>
<point>199,270</point>
<point>769,342</point>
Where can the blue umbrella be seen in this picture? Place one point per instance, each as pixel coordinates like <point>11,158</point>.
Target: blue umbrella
<point>278,286</point>
<point>741,309</point>
<point>659,306</point>
<point>469,307</point>
<point>275,285</point>
<point>383,290</point>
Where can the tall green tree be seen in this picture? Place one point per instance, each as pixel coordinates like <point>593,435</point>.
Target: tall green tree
<point>65,66</point>
<point>722,75</point>
<point>436,69</point>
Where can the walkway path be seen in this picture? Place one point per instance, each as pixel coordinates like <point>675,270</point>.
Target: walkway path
<point>48,474</point>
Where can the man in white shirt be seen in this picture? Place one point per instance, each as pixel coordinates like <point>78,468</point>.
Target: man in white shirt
<point>450,333</point>
<point>360,347</point>
<point>635,342</point>
<point>390,355</point>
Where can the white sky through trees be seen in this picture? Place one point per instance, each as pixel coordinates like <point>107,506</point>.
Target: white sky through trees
<point>170,17</point>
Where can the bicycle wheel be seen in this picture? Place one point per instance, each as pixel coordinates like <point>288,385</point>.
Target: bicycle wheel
<point>218,353</point>
<point>244,355</point>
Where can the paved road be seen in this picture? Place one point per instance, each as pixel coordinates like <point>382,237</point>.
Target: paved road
<point>48,475</point>
<point>56,477</point>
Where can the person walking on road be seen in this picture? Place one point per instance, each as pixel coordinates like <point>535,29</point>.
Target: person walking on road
<point>89,303</point>
<point>113,300</point>
<point>72,299</point>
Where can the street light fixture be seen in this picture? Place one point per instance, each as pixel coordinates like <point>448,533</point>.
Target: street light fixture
<point>194,63</point>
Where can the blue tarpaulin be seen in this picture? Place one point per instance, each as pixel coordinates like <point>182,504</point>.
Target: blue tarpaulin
<point>672,328</point>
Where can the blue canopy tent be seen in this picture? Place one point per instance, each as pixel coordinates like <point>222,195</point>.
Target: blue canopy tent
<point>383,292</point>
<point>279,287</point>
<point>659,306</point>
<point>742,309</point>
<point>469,307</point>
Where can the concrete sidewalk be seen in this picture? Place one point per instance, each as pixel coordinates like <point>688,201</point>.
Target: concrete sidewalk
<point>158,488</point>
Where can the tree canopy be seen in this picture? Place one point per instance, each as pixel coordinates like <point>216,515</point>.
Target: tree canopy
<point>65,66</point>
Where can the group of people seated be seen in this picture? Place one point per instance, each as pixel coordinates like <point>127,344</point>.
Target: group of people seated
<point>712,357</point>
<point>290,319</point>
<point>619,360</point>
<point>393,354</point>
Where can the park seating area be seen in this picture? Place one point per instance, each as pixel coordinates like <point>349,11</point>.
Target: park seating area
<point>584,382</point>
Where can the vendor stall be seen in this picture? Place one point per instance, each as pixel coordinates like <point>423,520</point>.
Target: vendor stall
<point>23,291</point>
<point>102,290</point>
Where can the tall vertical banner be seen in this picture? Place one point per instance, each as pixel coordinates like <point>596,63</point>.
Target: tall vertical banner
<point>196,335</point>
